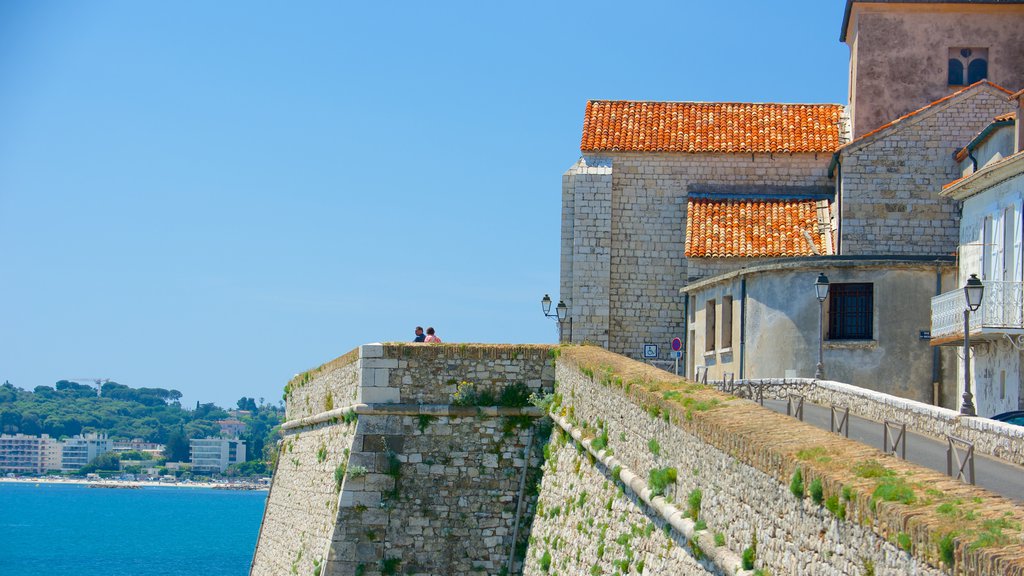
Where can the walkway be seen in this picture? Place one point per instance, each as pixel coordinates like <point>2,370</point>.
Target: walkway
<point>990,473</point>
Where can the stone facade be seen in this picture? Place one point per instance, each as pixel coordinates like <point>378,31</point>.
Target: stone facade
<point>624,229</point>
<point>899,53</point>
<point>889,182</point>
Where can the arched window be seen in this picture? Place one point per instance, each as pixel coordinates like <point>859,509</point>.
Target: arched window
<point>956,72</point>
<point>977,70</point>
<point>967,65</point>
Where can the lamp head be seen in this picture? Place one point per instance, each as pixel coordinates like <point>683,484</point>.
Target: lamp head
<point>545,304</point>
<point>974,290</point>
<point>821,287</point>
<point>562,310</point>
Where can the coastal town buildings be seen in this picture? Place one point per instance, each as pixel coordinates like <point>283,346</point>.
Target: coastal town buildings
<point>215,454</point>
<point>24,454</point>
<point>677,213</point>
<point>79,450</point>
<point>991,192</point>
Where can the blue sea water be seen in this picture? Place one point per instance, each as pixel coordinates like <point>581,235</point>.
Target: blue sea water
<point>48,529</point>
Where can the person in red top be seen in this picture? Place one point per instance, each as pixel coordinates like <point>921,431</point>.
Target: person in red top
<point>431,337</point>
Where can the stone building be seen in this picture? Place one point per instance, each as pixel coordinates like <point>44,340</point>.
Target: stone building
<point>905,53</point>
<point>991,191</point>
<point>668,195</point>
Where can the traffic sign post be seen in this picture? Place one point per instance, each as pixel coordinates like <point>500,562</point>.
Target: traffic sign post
<point>677,352</point>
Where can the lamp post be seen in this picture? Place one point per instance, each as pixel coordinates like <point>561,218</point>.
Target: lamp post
<point>560,315</point>
<point>821,292</point>
<point>973,292</point>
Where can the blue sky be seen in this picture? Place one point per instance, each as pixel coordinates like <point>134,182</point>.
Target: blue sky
<point>214,196</point>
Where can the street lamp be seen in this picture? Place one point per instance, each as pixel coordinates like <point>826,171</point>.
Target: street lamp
<point>974,290</point>
<point>821,291</point>
<point>560,315</point>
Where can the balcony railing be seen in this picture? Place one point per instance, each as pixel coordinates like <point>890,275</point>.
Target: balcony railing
<point>1001,312</point>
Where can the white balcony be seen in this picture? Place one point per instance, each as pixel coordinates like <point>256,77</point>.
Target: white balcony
<point>1001,312</point>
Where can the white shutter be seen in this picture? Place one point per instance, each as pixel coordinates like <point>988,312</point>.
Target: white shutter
<point>1018,262</point>
<point>986,248</point>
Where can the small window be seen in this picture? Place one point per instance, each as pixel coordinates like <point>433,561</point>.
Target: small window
<point>709,326</point>
<point>726,321</point>
<point>967,65</point>
<point>850,311</point>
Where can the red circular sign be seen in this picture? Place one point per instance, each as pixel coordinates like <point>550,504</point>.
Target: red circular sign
<point>677,344</point>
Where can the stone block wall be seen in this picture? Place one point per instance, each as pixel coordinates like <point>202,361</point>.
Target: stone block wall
<point>891,181</point>
<point>324,388</point>
<point>302,507</point>
<point>391,477</point>
<point>624,231</point>
<point>743,458</point>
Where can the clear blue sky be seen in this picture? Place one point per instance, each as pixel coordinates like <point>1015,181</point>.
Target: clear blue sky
<point>214,196</point>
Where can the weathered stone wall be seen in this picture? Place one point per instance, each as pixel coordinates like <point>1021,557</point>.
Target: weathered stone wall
<point>891,180</point>
<point>899,53</point>
<point>324,388</point>
<point>302,506</point>
<point>624,231</point>
<point>742,458</point>
<point>440,494</point>
<point>586,248</point>
<point>397,479</point>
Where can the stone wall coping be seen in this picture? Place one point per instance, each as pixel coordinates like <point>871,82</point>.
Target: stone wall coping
<point>972,428</point>
<point>448,410</point>
<point>722,557</point>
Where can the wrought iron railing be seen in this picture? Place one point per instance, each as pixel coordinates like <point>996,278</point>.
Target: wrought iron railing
<point>1002,308</point>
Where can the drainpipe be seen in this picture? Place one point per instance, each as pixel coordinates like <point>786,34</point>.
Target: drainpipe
<point>686,333</point>
<point>936,361</point>
<point>743,323</point>
<point>835,168</point>
<point>974,161</point>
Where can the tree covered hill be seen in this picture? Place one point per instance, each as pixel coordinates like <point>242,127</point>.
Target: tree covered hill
<point>125,413</point>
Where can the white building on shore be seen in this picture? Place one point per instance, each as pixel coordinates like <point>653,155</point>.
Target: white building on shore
<point>216,454</point>
<point>23,454</point>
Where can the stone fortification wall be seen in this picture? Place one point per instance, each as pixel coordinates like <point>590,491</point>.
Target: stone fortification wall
<point>302,506</point>
<point>440,494</point>
<point>324,388</point>
<point>398,479</point>
<point>998,439</point>
<point>743,460</point>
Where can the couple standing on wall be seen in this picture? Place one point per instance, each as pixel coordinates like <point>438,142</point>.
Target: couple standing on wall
<point>429,337</point>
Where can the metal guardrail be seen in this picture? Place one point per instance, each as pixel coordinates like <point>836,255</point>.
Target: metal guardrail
<point>795,406</point>
<point>899,441</point>
<point>954,445</point>
<point>840,425</point>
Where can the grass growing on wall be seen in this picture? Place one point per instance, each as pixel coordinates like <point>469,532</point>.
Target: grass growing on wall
<point>852,481</point>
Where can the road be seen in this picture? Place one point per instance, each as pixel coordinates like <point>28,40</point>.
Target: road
<point>990,473</point>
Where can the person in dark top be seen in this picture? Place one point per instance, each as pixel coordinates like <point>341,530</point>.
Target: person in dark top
<point>420,336</point>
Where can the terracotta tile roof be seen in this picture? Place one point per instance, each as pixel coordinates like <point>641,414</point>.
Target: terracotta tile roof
<point>1005,117</point>
<point>616,125</point>
<point>923,108</point>
<point>751,228</point>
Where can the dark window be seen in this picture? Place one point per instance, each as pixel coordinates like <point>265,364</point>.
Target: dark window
<point>977,70</point>
<point>956,72</point>
<point>850,311</point>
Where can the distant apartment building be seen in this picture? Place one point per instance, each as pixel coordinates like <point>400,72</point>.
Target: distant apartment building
<point>137,445</point>
<point>22,454</point>
<point>82,449</point>
<point>216,454</point>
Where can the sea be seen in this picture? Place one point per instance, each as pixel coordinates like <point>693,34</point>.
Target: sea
<point>48,529</point>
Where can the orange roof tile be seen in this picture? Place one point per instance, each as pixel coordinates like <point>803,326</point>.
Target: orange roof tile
<point>762,228</point>
<point>616,125</point>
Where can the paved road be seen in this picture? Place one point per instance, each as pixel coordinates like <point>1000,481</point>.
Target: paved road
<point>992,474</point>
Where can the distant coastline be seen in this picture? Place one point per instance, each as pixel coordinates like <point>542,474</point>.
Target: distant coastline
<point>114,484</point>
